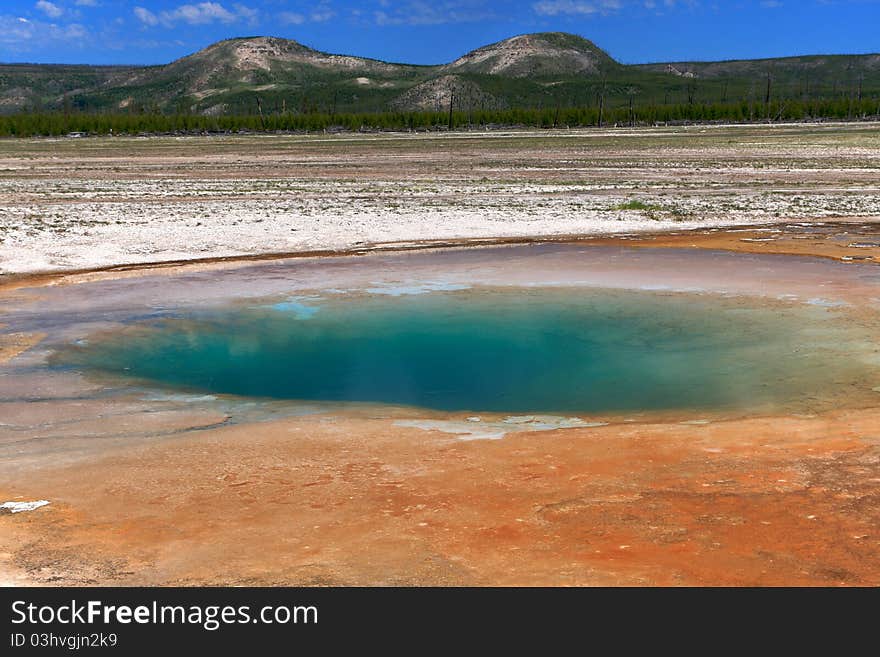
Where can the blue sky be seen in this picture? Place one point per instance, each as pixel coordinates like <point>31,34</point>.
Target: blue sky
<point>434,31</point>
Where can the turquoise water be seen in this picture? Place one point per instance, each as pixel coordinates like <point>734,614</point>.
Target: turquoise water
<point>516,350</point>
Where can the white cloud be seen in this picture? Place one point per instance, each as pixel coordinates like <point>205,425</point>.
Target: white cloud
<point>18,34</point>
<point>75,31</point>
<point>320,13</point>
<point>574,7</point>
<point>291,18</point>
<point>145,16</point>
<point>199,14</point>
<point>248,14</point>
<point>50,9</point>
<point>584,8</point>
<point>425,12</point>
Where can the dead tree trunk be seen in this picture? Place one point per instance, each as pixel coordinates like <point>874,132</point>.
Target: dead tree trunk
<point>451,105</point>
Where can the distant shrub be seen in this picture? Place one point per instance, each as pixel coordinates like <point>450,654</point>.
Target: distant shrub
<point>636,205</point>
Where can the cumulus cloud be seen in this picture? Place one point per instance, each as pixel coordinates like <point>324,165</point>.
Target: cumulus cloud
<point>19,34</point>
<point>199,13</point>
<point>145,16</point>
<point>50,9</point>
<point>425,12</point>
<point>247,13</point>
<point>669,4</point>
<point>320,13</point>
<point>574,7</point>
<point>291,18</point>
<point>582,8</point>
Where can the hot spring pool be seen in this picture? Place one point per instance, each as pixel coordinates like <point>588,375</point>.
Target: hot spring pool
<point>550,350</point>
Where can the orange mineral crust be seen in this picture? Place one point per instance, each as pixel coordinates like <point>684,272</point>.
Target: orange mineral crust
<point>331,501</point>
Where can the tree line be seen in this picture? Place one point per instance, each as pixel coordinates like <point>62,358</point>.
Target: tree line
<point>99,123</point>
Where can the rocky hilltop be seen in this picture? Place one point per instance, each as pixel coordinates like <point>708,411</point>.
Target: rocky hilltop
<point>272,74</point>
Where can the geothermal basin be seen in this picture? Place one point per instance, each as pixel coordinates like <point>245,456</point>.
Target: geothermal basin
<point>554,413</point>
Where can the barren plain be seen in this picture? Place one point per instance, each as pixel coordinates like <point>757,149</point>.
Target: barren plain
<point>151,487</point>
<point>81,204</point>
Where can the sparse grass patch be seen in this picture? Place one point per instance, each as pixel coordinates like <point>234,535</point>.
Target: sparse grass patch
<point>654,211</point>
<point>637,205</point>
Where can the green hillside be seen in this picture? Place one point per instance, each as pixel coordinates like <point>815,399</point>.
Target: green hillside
<point>808,77</point>
<point>40,86</point>
<point>273,76</point>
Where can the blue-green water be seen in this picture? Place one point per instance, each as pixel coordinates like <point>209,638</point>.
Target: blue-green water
<point>517,350</point>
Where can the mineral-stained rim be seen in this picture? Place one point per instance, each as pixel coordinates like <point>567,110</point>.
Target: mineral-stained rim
<point>642,239</point>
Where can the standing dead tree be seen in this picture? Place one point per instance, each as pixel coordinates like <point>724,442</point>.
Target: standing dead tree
<point>691,91</point>
<point>631,92</point>
<point>260,110</point>
<point>451,104</point>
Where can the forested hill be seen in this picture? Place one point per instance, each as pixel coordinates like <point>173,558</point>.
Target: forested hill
<point>546,72</point>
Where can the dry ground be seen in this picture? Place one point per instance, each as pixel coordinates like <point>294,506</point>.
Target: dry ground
<point>170,496</point>
<point>96,202</point>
